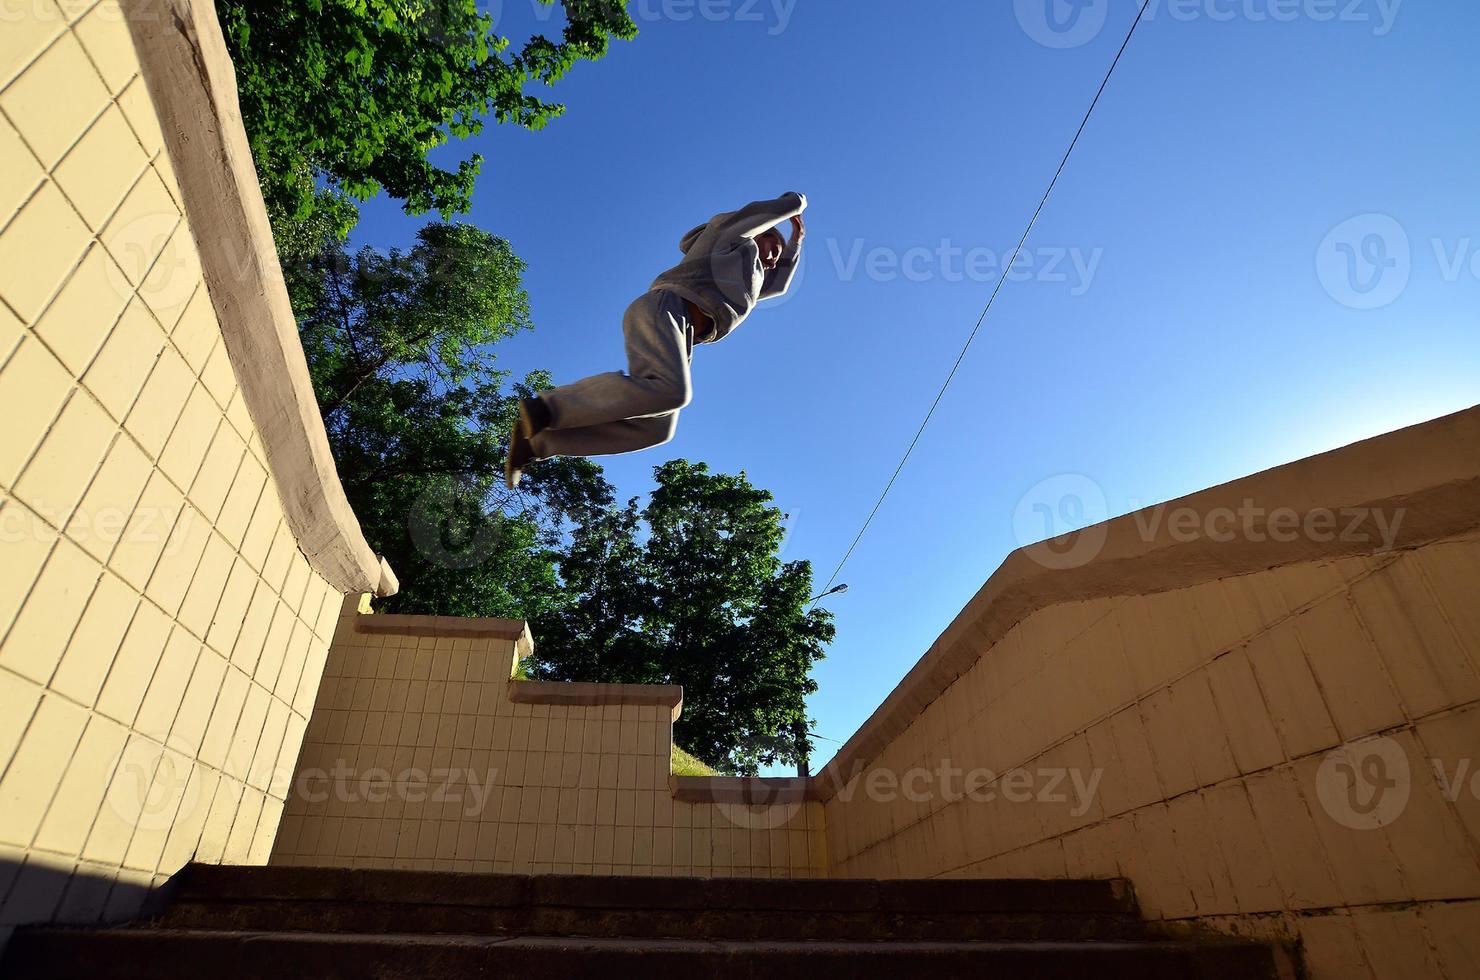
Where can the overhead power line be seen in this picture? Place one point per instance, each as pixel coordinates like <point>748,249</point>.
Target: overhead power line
<point>1006,267</point>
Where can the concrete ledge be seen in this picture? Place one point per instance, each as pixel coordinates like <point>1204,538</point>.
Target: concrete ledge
<point>1428,473</point>
<point>668,696</point>
<point>751,790</point>
<point>446,626</point>
<point>450,627</point>
<point>192,84</point>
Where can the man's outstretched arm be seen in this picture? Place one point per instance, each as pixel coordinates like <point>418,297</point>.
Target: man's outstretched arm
<point>757,216</point>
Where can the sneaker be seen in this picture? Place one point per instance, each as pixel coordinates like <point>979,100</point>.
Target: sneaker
<point>520,455</point>
<point>533,417</point>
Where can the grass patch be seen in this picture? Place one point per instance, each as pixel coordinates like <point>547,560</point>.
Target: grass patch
<point>686,765</point>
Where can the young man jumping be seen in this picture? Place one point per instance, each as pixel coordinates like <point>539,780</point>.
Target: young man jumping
<point>730,263</point>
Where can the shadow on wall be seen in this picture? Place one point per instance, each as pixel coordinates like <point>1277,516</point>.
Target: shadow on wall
<point>35,892</point>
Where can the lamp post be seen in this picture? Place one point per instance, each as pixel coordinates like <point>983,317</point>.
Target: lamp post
<point>835,590</point>
<point>799,732</point>
<point>799,727</point>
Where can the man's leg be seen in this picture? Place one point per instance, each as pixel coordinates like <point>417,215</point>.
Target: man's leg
<point>659,342</point>
<point>617,413</point>
<point>622,436</point>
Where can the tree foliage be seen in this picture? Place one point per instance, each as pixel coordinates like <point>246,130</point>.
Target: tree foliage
<point>399,347</point>
<point>345,98</point>
<point>690,589</point>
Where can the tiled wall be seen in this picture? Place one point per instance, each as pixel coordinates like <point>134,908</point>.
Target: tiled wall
<point>530,788</point>
<point>162,634</point>
<point>1209,713</point>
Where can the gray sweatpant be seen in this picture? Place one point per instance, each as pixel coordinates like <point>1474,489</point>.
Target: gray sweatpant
<point>619,413</point>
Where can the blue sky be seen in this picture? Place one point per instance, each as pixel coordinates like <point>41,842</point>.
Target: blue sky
<point>1193,311</point>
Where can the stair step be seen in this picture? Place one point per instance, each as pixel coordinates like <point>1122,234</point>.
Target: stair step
<point>373,901</point>
<point>167,954</point>
<point>344,900</point>
<point>204,883</point>
<point>637,923</point>
<point>239,922</point>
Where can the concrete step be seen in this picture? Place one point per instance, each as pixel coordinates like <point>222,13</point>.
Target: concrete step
<point>709,924</point>
<point>1105,896</point>
<point>171,954</point>
<point>362,901</point>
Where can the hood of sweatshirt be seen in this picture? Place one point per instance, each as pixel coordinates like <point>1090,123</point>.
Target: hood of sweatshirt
<point>687,241</point>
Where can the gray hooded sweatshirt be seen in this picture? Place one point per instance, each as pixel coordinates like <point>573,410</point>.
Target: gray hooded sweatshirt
<point>721,271</point>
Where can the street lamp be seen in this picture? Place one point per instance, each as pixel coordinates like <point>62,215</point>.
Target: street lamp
<point>835,590</point>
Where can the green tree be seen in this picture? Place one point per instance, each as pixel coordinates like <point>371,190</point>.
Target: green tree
<point>691,590</point>
<point>417,411</point>
<point>345,98</point>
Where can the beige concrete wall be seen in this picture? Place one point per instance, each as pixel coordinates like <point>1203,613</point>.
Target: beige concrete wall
<point>162,633</point>
<point>1288,752</point>
<point>416,757</point>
